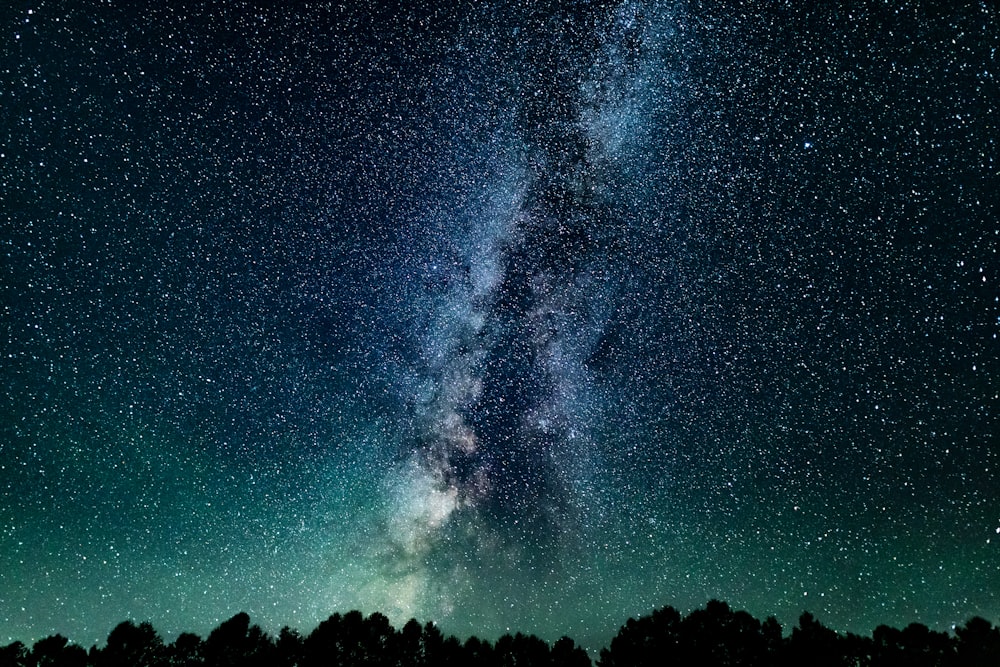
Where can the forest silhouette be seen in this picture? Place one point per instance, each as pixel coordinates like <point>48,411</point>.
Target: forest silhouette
<point>715,636</point>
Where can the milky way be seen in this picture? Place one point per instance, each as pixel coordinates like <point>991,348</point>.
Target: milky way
<point>508,317</point>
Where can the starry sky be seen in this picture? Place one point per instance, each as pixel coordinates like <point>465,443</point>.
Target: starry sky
<point>511,315</point>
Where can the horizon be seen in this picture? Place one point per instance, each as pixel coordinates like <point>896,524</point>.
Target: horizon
<point>593,651</point>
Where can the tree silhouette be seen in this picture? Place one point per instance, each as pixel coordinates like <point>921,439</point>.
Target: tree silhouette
<point>235,643</point>
<point>14,655</point>
<point>915,646</point>
<point>322,647</point>
<point>224,646</point>
<point>289,648</point>
<point>409,644</point>
<point>814,644</point>
<point>565,653</point>
<point>716,636</point>
<point>377,642</point>
<point>480,653</point>
<point>521,650</point>
<point>774,642</point>
<point>131,645</point>
<point>56,651</point>
<point>451,653</point>
<point>645,641</point>
<point>432,645</point>
<point>351,638</point>
<point>857,650</point>
<point>188,650</point>
<point>978,643</point>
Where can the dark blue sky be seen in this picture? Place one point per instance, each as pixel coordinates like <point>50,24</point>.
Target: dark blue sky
<point>531,317</point>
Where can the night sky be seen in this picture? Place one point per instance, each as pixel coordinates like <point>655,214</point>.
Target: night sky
<point>529,316</point>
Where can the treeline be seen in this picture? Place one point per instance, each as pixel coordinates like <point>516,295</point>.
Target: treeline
<point>715,636</point>
<point>348,640</point>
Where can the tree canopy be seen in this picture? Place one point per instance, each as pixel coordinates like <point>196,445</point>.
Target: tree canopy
<point>715,636</point>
